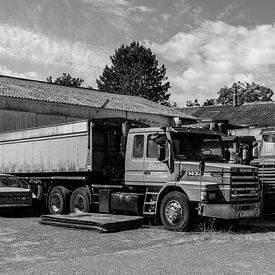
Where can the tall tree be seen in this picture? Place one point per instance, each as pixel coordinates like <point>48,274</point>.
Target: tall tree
<point>246,92</point>
<point>66,80</point>
<point>135,71</point>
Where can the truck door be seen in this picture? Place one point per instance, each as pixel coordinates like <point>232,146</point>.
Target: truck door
<point>155,172</point>
<point>134,160</point>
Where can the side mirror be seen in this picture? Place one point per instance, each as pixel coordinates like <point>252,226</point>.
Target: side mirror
<point>161,152</point>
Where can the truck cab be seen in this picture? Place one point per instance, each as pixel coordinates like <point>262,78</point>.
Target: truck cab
<point>178,165</point>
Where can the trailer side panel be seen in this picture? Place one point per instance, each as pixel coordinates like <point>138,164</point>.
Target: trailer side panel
<point>57,148</point>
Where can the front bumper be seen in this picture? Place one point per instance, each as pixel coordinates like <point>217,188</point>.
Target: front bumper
<point>230,211</point>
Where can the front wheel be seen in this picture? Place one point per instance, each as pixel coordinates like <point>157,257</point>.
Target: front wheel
<point>174,211</point>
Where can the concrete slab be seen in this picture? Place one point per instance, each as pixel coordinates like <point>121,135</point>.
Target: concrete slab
<point>94,221</point>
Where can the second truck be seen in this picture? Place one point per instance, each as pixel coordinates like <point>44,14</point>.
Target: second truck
<point>171,174</point>
<point>266,164</point>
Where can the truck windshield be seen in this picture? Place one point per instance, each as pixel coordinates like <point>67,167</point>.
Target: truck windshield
<point>193,146</point>
<point>267,147</point>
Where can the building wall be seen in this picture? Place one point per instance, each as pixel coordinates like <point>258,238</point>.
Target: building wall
<point>17,113</point>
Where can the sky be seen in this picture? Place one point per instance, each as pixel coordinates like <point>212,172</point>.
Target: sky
<point>204,44</point>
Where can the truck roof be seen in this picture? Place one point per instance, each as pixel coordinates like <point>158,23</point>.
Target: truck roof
<point>175,130</point>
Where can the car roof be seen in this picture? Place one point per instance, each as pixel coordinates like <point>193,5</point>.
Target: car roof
<point>7,175</point>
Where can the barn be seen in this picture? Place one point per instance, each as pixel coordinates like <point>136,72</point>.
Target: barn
<point>26,103</point>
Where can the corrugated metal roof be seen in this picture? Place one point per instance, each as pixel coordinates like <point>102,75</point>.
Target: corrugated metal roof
<point>43,91</point>
<point>260,114</point>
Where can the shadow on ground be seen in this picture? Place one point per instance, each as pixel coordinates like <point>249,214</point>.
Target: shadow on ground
<point>260,225</point>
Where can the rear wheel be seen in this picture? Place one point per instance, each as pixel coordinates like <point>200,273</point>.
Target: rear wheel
<point>58,200</point>
<point>174,211</point>
<point>80,200</point>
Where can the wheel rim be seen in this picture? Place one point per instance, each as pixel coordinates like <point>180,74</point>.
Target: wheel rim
<point>173,211</point>
<point>56,202</point>
<point>79,203</point>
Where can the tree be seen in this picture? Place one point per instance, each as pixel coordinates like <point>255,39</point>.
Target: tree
<point>189,103</point>
<point>66,80</point>
<point>246,92</point>
<point>135,71</point>
<point>209,102</point>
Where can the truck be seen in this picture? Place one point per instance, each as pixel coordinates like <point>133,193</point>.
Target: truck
<point>266,165</point>
<point>167,174</point>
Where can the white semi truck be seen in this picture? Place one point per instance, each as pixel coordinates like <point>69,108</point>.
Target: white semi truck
<point>168,173</point>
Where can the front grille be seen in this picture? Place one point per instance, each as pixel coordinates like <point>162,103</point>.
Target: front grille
<point>244,186</point>
<point>14,198</point>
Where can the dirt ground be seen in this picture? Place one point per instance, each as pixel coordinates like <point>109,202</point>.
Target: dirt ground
<point>28,247</point>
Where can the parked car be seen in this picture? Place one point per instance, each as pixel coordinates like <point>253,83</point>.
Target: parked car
<point>14,192</point>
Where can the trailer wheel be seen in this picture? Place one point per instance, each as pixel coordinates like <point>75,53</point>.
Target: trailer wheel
<point>80,200</point>
<point>174,211</point>
<point>58,200</point>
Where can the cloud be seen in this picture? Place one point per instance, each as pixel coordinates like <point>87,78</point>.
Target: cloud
<point>227,11</point>
<point>142,9</point>
<point>23,45</point>
<point>32,75</point>
<point>217,54</point>
<point>117,7</point>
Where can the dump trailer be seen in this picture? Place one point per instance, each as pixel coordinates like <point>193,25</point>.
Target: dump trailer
<point>170,174</point>
<point>266,164</point>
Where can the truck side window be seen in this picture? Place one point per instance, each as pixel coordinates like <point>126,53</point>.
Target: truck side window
<point>138,146</point>
<point>152,147</point>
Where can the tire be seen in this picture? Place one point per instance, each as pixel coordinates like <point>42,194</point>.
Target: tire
<point>58,200</point>
<point>174,211</point>
<point>80,201</point>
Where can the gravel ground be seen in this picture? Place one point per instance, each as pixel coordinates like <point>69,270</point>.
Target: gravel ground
<point>28,247</point>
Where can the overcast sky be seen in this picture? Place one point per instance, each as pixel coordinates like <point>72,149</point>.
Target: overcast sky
<point>204,44</point>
